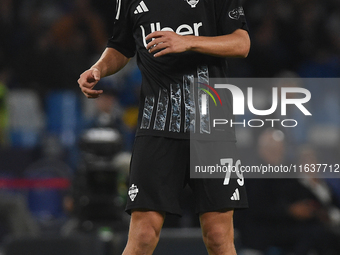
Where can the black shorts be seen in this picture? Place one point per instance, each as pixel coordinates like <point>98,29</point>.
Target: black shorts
<point>160,169</point>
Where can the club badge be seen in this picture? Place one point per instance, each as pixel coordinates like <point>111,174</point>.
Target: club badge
<point>236,13</point>
<point>133,190</point>
<point>192,3</point>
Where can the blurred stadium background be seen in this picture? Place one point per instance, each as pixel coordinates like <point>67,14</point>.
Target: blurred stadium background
<point>64,159</point>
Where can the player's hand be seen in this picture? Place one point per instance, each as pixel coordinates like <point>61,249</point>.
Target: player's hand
<point>88,80</point>
<point>167,42</point>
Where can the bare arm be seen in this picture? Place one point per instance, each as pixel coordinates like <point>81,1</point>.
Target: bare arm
<point>236,44</point>
<point>109,63</point>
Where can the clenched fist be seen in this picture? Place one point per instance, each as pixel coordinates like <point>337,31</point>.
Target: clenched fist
<point>88,80</point>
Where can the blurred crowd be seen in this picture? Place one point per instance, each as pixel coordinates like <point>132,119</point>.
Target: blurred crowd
<point>297,35</point>
<point>46,45</point>
<point>289,216</point>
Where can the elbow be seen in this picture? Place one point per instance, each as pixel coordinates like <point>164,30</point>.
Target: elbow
<point>240,43</point>
<point>243,44</point>
<point>245,52</point>
<point>244,48</point>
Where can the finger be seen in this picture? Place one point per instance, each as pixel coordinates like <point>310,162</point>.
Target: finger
<point>91,91</point>
<point>158,47</point>
<point>96,74</point>
<point>154,35</point>
<point>92,96</point>
<point>90,78</point>
<point>87,80</point>
<point>154,43</point>
<point>163,52</point>
<point>84,83</point>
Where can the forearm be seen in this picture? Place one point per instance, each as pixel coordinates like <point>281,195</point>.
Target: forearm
<point>236,44</point>
<point>110,62</point>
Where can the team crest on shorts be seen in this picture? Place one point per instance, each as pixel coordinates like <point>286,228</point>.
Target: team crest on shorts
<point>133,191</point>
<point>192,3</point>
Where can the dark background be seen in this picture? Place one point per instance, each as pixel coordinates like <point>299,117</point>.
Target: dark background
<point>46,45</point>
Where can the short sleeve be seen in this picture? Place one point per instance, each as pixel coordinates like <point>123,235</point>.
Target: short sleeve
<point>122,36</point>
<point>230,16</point>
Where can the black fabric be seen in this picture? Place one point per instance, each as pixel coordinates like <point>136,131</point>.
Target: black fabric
<point>207,18</point>
<point>160,170</point>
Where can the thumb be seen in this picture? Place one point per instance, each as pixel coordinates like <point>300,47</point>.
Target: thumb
<point>96,74</point>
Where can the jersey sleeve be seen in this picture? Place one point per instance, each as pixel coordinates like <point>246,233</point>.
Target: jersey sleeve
<point>122,36</point>
<point>230,16</point>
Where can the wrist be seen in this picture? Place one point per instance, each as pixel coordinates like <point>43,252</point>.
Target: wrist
<point>99,69</point>
<point>193,43</point>
<point>190,42</point>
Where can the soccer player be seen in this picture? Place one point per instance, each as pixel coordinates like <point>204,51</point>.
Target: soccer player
<point>179,43</point>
